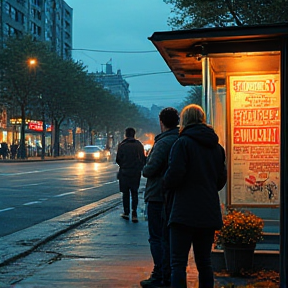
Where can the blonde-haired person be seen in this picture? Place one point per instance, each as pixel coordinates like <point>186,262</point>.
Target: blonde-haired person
<point>196,172</point>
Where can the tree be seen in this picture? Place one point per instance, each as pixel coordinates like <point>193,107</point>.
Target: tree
<point>188,14</point>
<point>50,87</point>
<point>61,86</point>
<point>20,61</point>
<point>194,96</point>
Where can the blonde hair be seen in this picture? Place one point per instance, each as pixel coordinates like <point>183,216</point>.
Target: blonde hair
<point>191,114</point>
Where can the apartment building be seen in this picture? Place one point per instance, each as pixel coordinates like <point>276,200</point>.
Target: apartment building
<point>46,20</point>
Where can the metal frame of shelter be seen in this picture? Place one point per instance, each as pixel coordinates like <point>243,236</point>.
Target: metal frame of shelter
<point>193,54</point>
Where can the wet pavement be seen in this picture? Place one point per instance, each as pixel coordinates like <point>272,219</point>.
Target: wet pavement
<point>104,251</point>
<point>89,247</point>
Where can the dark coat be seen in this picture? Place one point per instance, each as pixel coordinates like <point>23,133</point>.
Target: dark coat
<point>196,172</point>
<point>130,157</point>
<point>157,163</point>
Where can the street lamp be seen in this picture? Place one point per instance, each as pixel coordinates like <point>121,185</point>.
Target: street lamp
<point>31,64</point>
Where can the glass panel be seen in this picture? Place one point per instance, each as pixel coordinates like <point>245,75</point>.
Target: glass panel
<point>245,95</point>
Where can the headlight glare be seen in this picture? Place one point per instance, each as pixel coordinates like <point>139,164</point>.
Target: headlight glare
<point>96,155</point>
<point>81,154</point>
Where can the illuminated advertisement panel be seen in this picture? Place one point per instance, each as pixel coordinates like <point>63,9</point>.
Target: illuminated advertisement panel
<point>38,126</point>
<point>255,139</point>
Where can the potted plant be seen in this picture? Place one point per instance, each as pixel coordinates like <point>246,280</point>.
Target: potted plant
<point>238,237</point>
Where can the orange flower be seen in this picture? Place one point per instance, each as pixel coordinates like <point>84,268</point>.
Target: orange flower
<point>240,227</point>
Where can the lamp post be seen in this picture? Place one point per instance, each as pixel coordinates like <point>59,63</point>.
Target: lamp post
<point>31,64</point>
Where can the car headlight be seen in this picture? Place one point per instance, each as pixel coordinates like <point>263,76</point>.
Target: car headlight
<point>81,154</point>
<point>96,155</point>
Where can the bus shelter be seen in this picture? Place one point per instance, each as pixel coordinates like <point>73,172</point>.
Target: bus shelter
<point>243,74</point>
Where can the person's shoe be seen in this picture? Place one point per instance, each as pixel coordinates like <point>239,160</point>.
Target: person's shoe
<point>125,216</point>
<point>151,283</point>
<point>134,217</point>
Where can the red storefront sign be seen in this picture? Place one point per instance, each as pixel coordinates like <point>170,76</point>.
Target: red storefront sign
<point>38,126</point>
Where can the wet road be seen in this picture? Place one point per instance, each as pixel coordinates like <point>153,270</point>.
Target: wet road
<point>32,192</point>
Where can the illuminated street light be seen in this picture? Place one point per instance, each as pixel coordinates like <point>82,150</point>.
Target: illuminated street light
<point>32,62</point>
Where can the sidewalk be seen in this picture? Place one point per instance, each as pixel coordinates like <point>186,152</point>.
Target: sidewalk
<point>105,251</point>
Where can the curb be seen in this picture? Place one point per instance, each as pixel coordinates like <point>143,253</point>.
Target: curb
<point>21,243</point>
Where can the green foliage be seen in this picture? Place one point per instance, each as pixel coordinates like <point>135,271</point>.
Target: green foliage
<point>59,89</point>
<point>194,96</point>
<point>189,14</point>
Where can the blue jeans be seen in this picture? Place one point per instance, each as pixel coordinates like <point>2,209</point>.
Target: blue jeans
<point>181,237</point>
<point>154,212</point>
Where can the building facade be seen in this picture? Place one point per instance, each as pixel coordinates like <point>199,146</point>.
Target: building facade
<point>114,83</point>
<point>46,20</point>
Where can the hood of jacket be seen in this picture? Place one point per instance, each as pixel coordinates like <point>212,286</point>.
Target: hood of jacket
<point>201,133</point>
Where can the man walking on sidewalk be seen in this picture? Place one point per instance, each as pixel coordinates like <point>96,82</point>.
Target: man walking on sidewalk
<point>131,159</point>
<point>154,170</point>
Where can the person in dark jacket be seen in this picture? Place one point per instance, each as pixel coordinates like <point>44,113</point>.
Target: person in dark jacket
<point>131,158</point>
<point>154,170</point>
<point>196,172</point>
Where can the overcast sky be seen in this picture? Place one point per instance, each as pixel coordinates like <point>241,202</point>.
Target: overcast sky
<point>125,25</point>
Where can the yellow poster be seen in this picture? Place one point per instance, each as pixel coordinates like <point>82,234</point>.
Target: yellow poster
<point>255,139</point>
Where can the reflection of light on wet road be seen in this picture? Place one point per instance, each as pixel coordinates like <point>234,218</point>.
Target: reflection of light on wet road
<point>83,166</point>
<point>80,166</point>
<point>96,166</point>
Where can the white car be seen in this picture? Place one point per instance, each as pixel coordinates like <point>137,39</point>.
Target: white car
<point>93,153</point>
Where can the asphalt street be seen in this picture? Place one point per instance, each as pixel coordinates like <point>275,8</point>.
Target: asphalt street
<point>33,192</point>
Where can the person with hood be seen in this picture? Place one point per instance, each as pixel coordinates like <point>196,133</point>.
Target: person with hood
<point>131,158</point>
<point>196,172</point>
<point>155,197</point>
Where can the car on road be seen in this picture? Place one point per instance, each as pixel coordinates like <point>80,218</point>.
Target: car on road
<point>93,153</point>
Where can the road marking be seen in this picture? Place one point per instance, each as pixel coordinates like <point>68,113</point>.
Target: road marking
<point>59,195</point>
<point>7,209</point>
<point>110,182</point>
<point>31,172</point>
<point>31,203</point>
<point>64,194</point>
<point>83,189</point>
<point>34,184</point>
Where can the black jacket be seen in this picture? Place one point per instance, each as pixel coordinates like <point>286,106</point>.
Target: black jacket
<point>196,172</point>
<point>130,157</point>
<point>157,163</point>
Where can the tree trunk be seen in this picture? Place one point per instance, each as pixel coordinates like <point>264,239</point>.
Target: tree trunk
<point>22,148</point>
<point>90,135</point>
<point>56,139</point>
<point>74,138</point>
<point>43,140</point>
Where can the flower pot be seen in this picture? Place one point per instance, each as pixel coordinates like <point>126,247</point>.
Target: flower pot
<point>239,257</point>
